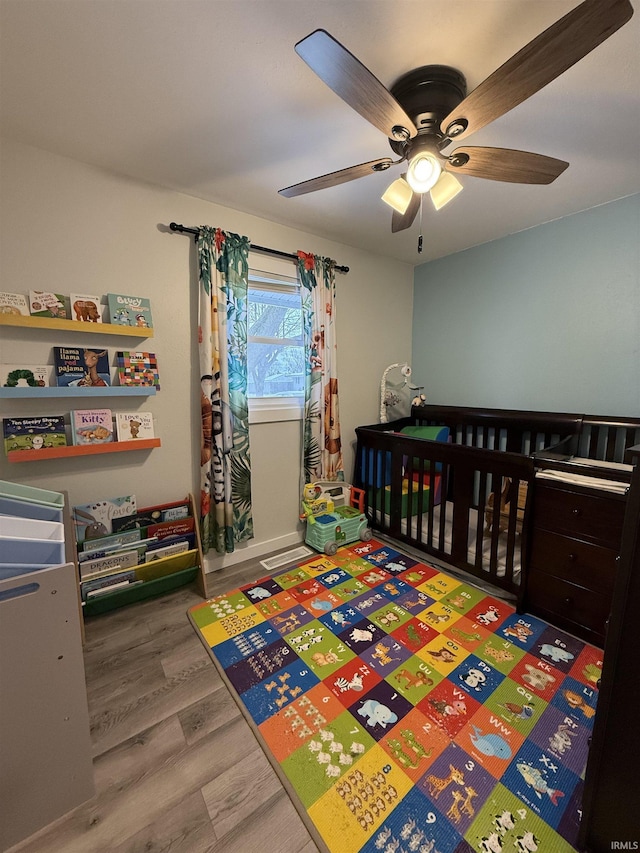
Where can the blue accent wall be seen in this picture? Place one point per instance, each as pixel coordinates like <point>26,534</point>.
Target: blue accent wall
<point>546,319</point>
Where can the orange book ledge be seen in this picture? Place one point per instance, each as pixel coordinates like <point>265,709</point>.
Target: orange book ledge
<point>81,450</point>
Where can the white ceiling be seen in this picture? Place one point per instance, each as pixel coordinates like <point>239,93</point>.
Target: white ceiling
<point>208,97</point>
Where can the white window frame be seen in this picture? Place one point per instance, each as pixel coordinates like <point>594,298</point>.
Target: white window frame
<point>273,409</point>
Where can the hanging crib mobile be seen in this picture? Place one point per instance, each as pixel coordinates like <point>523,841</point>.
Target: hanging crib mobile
<point>395,398</point>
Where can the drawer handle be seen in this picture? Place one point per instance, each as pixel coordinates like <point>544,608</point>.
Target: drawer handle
<point>572,558</point>
<point>568,600</point>
<point>576,512</point>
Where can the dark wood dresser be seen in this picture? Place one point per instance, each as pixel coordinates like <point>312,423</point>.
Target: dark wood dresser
<point>573,536</point>
<point>610,813</point>
<point>574,543</point>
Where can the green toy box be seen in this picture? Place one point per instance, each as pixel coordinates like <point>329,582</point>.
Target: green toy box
<point>327,532</point>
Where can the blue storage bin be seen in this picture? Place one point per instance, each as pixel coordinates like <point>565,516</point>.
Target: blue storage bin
<point>32,551</point>
<point>27,540</point>
<point>25,509</point>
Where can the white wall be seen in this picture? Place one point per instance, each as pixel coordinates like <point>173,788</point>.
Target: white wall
<point>68,227</point>
<point>547,319</point>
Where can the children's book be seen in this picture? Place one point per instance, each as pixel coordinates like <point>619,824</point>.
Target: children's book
<point>91,426</point>
<point>112,551</point>
<point>24,376</point>
<point>137,368</point>
<point>43,303</point>
<point>188,538</point>
<point>139,521</point>
<point>171,528</point>
<point>154,515</point>
<point>34,433</point>
<point>134,425</point>
<point>166,551</point>
<point>173,513</point>
<point>103,545</point>
<point>81,367</point>
<point>129,311</point>
<point>14,303</point>
<point>108,583</point>
<point>109,564</point>
<point>85,307</point>
<point>95,520</point>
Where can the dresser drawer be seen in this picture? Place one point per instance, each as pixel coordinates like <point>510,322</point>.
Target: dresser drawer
<point>581,516</point>
<point>569,601</point>
<point>573,560</point>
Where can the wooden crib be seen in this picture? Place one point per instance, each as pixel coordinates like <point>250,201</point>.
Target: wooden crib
<point>467,500</point>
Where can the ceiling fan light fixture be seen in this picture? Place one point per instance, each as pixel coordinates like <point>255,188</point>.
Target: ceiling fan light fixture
<point>423,172</point>
<point>445,190</point>
<point>398,195</point>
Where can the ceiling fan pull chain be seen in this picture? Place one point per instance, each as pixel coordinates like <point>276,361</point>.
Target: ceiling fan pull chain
<point>420,237</point>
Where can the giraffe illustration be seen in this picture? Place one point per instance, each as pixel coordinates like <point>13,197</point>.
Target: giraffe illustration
<point>466,807</point>
<point>454,812</point>
<point>437,786</point>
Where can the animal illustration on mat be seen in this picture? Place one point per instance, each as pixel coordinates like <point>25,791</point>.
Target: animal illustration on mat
<point>556,654</point>
<point>518,712</point>
<point>438,785</point>
<point>560,740</point>
<point>536,678</point>
<point>518,631</point>
<point>490,615</point>
<point>527,843</point>
<point>411,679</point>
<point>473,678</point>
<point>577,703</point>
<point>534,778</point>
<point>455,709</point>
<point>490,744</point>
<point>377,714</point>
<point>325,659</point>
<point>504,822</point>
<point>466,807</point>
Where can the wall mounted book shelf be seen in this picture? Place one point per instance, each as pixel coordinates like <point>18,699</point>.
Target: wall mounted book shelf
<point>81,450</point>
<point>59,391</point>
<point>73,326</point>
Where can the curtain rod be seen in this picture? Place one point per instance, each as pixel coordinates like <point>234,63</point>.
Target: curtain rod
<point>184,230</point>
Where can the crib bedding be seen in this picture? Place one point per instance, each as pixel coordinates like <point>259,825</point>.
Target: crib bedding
<point>479,554</point>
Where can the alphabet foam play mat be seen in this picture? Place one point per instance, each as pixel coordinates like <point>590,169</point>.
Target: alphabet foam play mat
<point>407,711</point>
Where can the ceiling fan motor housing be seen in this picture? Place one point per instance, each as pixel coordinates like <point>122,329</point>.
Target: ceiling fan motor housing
<point>428,94</point>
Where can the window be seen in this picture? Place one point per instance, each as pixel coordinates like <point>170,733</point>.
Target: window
<point>275,352</point>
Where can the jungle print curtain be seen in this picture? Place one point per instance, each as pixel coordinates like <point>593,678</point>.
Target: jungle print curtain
<point>322,444</point>
<point>225,466</point>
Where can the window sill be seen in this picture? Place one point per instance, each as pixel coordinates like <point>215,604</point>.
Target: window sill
<point>267,411</point>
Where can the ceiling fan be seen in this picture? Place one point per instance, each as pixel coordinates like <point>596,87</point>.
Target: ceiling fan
<point>427,109</point>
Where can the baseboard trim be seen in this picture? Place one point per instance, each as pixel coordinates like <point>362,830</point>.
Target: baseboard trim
<point>249,551</point>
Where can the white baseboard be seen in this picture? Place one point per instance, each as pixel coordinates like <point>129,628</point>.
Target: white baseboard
<point>248,551</point>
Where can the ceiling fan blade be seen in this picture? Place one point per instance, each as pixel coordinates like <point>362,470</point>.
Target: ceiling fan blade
<point>355,84</point>
<point>505,164</point>
<point>402,221</point>
<point>339,177</point>
<point>537,64</point>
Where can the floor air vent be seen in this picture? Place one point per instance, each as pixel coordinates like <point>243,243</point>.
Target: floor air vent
<point>272,563</point>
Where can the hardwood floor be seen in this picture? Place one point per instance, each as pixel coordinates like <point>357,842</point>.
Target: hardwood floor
<point>176,766</point>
